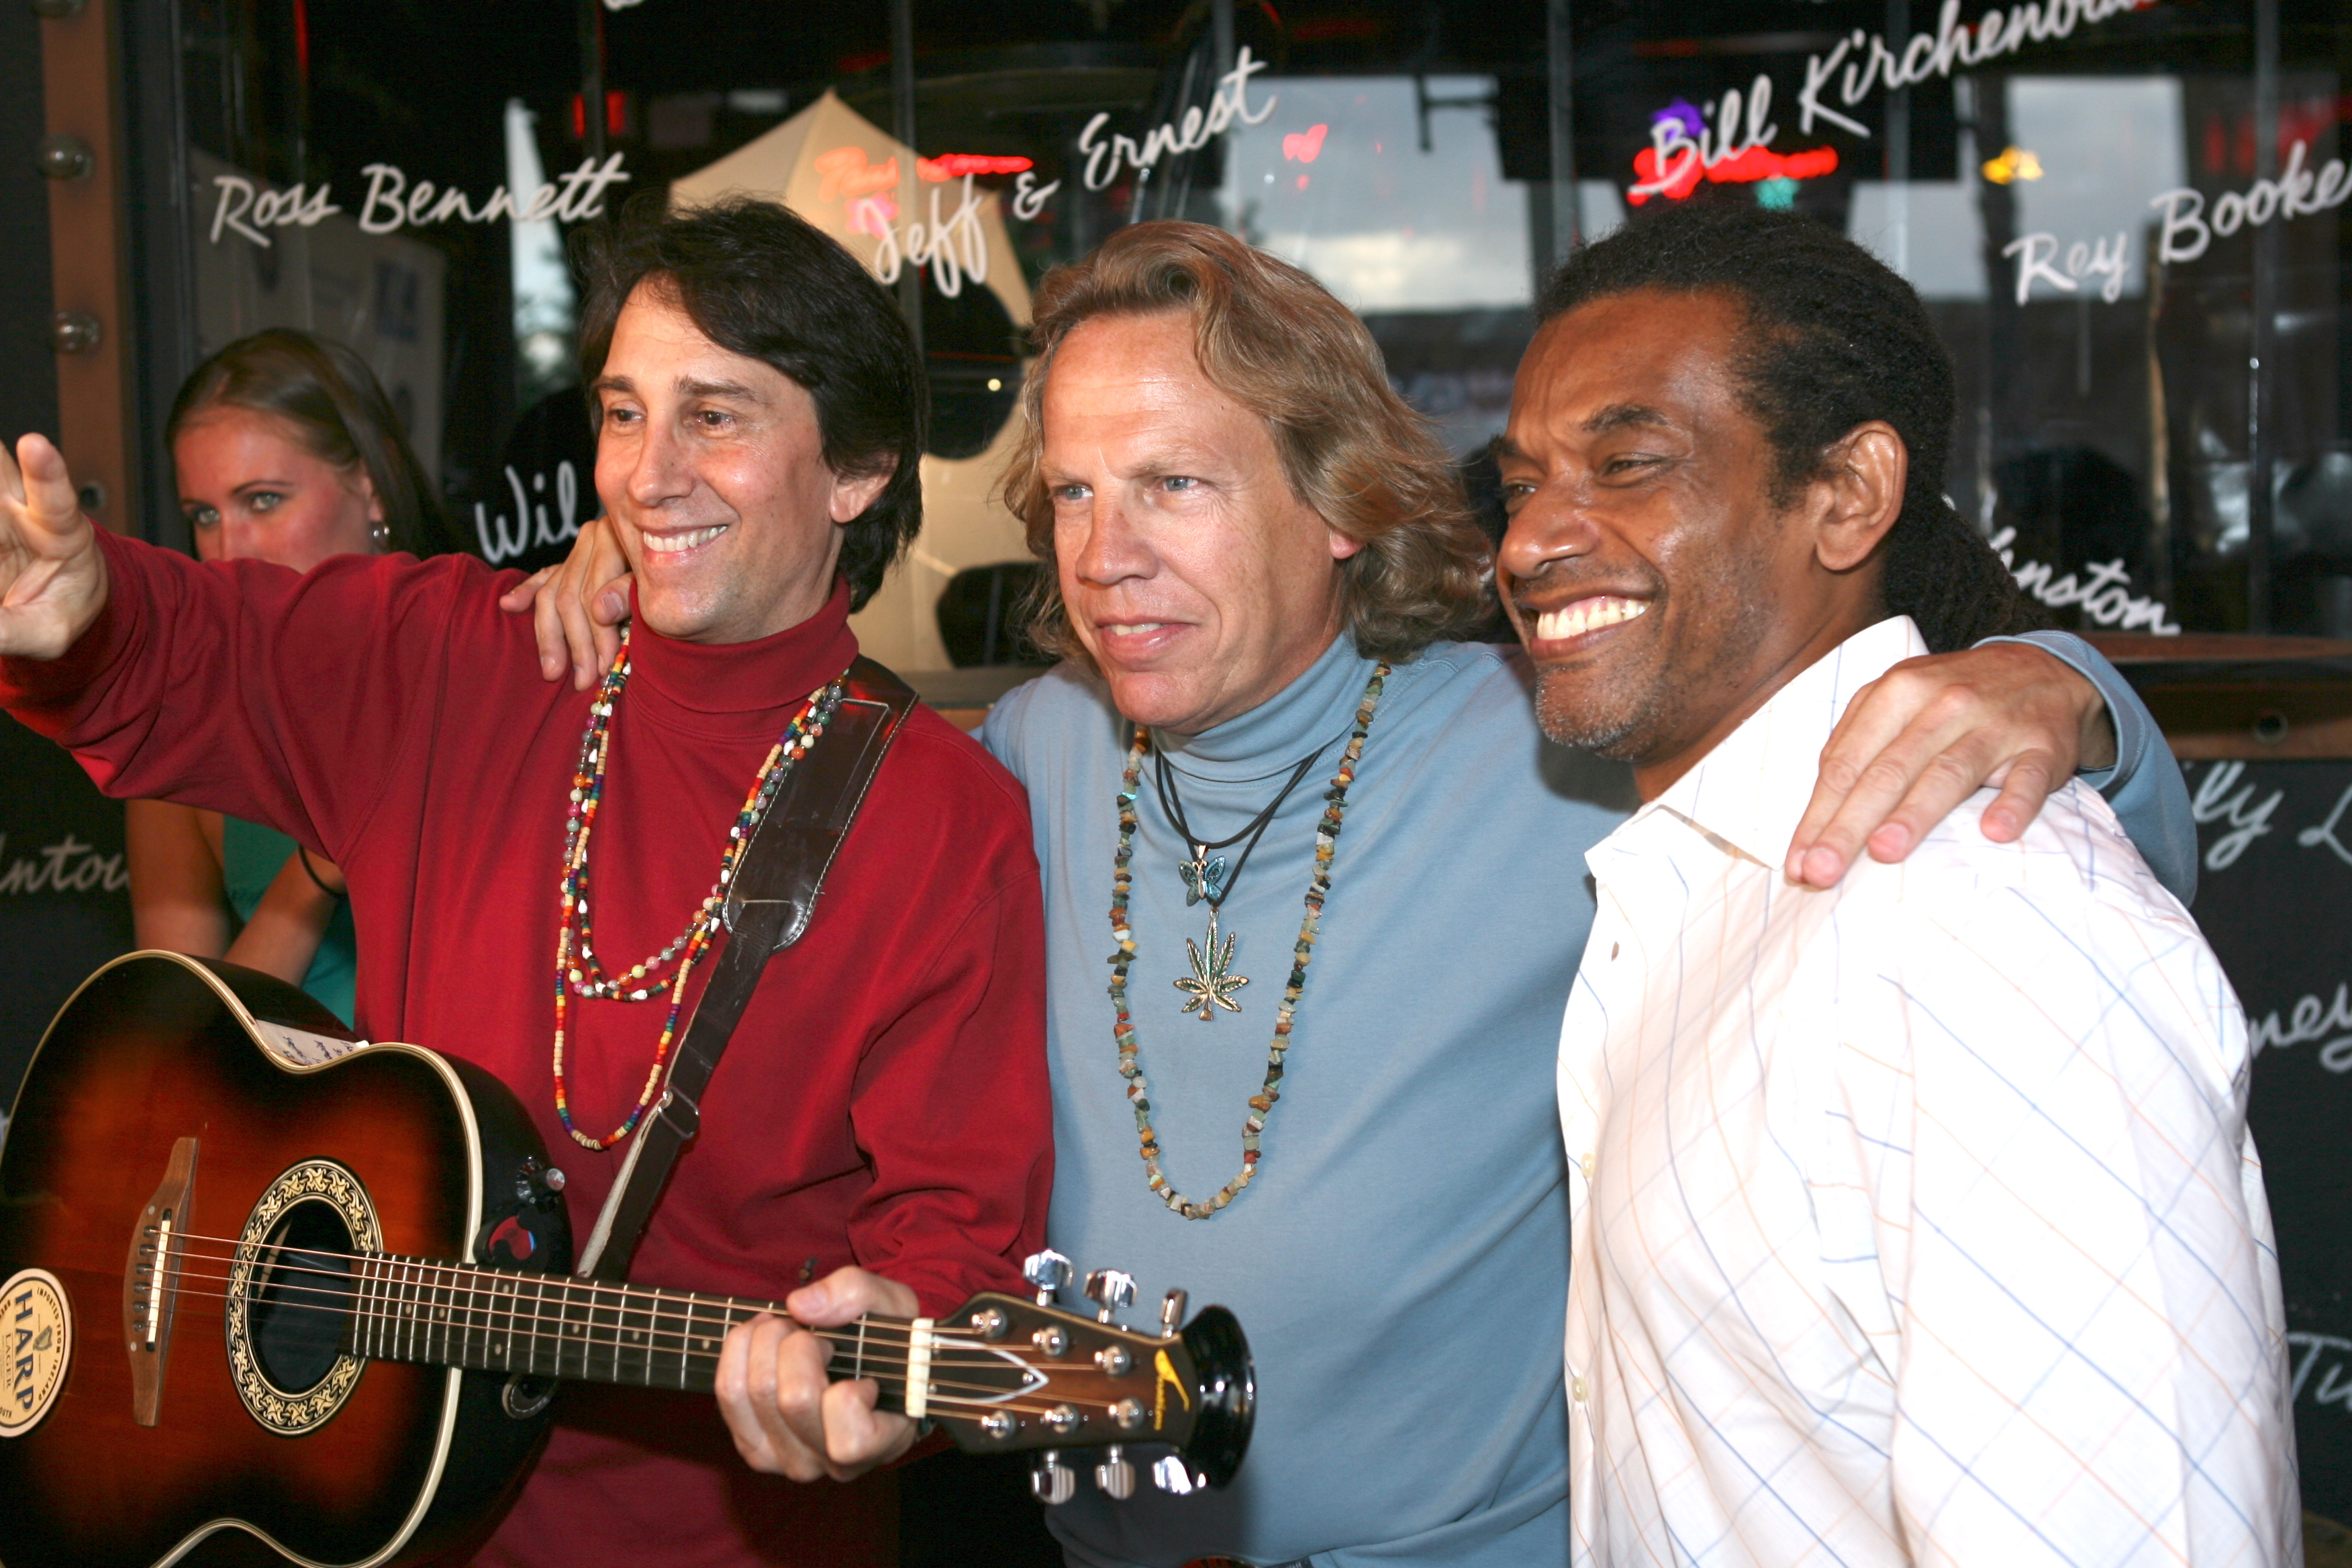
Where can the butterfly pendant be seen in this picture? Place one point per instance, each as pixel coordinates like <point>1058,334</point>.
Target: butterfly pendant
<point>1203,877</point>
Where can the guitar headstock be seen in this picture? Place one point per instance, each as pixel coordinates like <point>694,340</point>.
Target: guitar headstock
<point>1008,1372</point>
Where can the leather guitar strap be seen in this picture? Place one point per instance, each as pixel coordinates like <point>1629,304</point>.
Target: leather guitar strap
<point>774,894</point>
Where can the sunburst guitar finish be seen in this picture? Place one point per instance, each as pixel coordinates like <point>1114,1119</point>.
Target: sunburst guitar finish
<point>269,1294</point>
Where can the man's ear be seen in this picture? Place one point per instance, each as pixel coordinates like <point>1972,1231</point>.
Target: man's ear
<point>1864,475</point>
<point>853,493</point>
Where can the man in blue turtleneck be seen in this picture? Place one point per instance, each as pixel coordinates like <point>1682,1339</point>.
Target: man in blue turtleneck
<point>1338,880</point>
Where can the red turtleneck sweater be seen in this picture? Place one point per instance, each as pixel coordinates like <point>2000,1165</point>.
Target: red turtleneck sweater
<point>884,1102</point>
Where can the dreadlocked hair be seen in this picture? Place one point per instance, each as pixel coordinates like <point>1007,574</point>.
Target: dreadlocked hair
<point>1833,339</point>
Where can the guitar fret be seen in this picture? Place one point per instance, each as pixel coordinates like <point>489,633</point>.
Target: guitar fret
<point>480,1304</point>
<point>377,1302</point>
<point>405,1347</point>
<point>359,1319</point>
<point>646,1341</point>
<point>461,1306</point>
<point>575,1332</point>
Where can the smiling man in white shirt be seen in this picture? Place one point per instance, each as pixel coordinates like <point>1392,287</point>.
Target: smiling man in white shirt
<point>1914,1219</point>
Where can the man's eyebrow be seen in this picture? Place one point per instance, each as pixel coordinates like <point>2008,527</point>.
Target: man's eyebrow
<point>740,391</point>
<point>619,384</point>
<point>1503,449</point>
<point>1618,415</point>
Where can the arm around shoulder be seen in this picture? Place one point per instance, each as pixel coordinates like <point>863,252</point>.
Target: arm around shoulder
<point>2144,786</point>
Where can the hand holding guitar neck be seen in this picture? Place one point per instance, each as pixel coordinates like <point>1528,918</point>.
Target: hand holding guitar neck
<point>52,576</point>
<point>787,1417</point>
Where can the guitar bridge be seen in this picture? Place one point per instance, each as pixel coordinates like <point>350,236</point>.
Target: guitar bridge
<point>151,1281</point>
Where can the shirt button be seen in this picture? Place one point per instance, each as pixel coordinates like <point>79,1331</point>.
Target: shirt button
<point>1576,1389</point>
<point>1585,1164</point>
<point>1612,949</point>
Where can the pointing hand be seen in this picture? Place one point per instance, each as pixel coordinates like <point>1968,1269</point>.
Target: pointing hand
<point>52,574</point>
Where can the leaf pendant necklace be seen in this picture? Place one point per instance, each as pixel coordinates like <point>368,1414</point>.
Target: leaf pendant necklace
<point>1217,963</point>
<point>1212,983</point>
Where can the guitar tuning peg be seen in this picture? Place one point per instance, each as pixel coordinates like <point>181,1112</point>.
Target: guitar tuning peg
<point>1115,1477</point>
<point>1047,1272</point>
<point>1172,1313</point>
<point>1172,1475</point>
<point>1109,1288</point>
<point>1053,1482</point>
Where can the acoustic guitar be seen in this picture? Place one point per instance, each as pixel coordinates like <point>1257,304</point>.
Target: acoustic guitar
<point>269,1286</point>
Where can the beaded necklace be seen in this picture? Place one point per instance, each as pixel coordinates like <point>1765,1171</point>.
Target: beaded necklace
<point>577,970</point>
<point>1318,889</point>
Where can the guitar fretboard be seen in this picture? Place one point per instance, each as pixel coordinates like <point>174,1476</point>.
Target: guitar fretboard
<point>552,1326</point>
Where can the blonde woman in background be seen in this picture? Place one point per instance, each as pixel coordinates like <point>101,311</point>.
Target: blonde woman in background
<point>286,450</point>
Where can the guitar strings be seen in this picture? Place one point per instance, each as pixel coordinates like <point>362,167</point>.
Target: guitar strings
<point>591,1345</point>
<point>942,1391</point>
<point>473,1318</point>
<point>446,1277</point>
<point>516,1314</point>
<point>570,1283</point>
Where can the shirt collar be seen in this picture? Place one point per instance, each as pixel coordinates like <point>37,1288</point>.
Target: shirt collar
<point>1273,735</point>
<point>746,683</point>
<point>1750,791</point>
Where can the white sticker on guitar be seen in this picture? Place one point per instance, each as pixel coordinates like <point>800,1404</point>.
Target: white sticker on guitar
<point>36,1345</point>
<point>299,1048</point>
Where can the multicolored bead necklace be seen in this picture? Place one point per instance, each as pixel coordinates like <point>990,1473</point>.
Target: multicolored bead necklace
<point>1318,889</point>
<point>577,970</point>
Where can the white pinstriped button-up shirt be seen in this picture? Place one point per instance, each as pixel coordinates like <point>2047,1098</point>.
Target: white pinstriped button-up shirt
<point>1915,1220</point>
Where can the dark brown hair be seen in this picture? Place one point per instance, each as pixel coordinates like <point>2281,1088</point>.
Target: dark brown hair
<point>759,280</point>
<point>339,412</point>
<point>1275,341</point>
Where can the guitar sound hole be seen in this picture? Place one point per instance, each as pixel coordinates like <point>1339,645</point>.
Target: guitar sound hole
<point>302,1304</point>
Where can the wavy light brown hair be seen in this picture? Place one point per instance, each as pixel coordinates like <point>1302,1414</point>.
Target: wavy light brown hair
<point>1275,341</point>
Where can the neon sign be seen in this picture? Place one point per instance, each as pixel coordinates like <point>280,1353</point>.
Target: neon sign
<point>849,174</point>
<point>1744,167</point>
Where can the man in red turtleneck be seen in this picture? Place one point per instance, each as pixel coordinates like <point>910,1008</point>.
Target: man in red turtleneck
<point>878,1136</point>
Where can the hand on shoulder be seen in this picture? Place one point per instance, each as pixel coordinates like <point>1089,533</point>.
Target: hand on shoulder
<point>576,607</point>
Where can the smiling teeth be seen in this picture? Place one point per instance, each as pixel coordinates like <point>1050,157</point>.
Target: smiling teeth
<point>1133,628</point>
<point>670,543</point>
<point>1588,616</point>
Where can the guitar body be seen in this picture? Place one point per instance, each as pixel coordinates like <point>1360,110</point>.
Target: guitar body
<point>261,1435</point>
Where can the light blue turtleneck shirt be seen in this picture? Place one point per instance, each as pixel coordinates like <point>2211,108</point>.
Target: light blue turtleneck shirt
<point>1400,1264</point>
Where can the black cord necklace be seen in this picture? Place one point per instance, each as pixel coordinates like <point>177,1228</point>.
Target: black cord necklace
<point>1206,879</point>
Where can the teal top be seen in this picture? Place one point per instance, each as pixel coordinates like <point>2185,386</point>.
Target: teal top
<point>251,858</point>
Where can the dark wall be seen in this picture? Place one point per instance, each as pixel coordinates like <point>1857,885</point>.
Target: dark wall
<point>28,381</point>
<point>63,908</point>
<point>2274,888</point>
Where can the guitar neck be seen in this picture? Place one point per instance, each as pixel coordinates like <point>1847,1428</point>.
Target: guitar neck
<point>553,1326</point>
